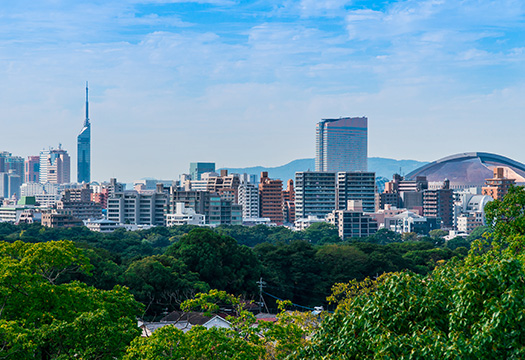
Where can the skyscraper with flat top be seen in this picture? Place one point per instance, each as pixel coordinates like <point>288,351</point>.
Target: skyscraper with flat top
<point>342,145</point>
<point>84,148</point>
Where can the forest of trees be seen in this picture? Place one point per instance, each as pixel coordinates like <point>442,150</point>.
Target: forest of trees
<point>74,294</point>
<point>162,266</point>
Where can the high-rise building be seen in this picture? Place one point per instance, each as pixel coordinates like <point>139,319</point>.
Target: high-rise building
<point>315,193</point>
<point>58,166</point>
<point>249,199</point>
<point>9,162</point>
<point>439,203</point>
<point>271,198</point>
<point>32,169</point>
<point>132,207</point>
<point>226,185</point>
<point>10,184</point>
<point>84,148</point>
<point>356,185</point>
<point>341,145</point>
<point>44,153</point>
<point>199,168</point>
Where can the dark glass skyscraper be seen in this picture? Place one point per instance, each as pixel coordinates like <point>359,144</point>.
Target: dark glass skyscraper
<point>84,148</point>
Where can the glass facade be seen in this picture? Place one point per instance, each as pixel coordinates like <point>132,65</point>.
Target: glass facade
<point>84,149</point>
<point>342,145</point>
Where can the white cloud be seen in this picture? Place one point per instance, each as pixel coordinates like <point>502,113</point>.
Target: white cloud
<point>170,88</point>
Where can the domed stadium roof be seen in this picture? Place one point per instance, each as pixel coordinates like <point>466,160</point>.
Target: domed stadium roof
<point>469,169</point>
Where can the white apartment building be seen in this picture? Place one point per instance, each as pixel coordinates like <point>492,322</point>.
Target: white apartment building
<point>249,199</point>
<point>131,207</point>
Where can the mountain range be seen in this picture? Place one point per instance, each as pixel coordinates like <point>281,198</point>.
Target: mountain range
<point>383,167</point>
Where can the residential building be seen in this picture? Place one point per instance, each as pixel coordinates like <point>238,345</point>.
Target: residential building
<point>352,222</point>
<point>222,212</point>
<point>60,219</point>
<point>12,211</point>
<point>184,216</point>
<point>289,203</point>
<point>498,186</point>
<point>440,204</point>
<point>342,144</point>
<point>115,187</point>
<point>101,198</point>
<point>315,193</point>
<point>271,198</point>
<point>468,222</point>
<point>132,207</point>
<point>225,185</point>
<point>197,200</point>
<point>84,148</point>
<point>249,200</point>
<point>78,203</point>
<point>356,185</point>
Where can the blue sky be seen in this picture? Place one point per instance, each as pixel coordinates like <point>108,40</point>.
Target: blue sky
<point>242,83</point>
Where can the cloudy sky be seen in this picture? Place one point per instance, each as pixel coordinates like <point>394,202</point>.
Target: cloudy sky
<point>242,83</point>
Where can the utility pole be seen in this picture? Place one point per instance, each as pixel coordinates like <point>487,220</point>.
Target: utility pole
<point>262,303</point>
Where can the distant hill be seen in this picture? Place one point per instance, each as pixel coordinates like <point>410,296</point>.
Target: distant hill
<point>381,166</point>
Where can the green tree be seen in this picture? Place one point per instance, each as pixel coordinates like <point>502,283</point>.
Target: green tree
<point>383,237</point>
<point>464,309</point>
<point>341,263</point>
<point>457,242</point>
<point>219,260</point>
<point>59,320</point>
<point>161,282</point>
<point>322,233</point>
<point>199,343</point>
<point>292,271</point>
<point>459,312</point>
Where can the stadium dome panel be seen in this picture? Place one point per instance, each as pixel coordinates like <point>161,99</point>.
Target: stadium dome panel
<point>469,169</point>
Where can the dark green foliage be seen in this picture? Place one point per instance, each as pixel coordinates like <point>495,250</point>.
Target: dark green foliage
<point>44,319</point>
<point>292,271</point>
<point>322,233</point>
<point>219,260</point>
<point>297,265</point>
<point>480,233</point>
<point>457,242</point>
<point>161,282</point>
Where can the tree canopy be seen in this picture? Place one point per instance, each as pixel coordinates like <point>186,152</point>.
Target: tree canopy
<point>41,318</point>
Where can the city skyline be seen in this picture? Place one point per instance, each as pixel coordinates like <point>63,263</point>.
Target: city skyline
<point>244,84</point>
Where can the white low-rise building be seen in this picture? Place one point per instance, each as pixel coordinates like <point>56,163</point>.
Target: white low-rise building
<point>102,225</point>
<point>185,216</point>
<point>302,224</point>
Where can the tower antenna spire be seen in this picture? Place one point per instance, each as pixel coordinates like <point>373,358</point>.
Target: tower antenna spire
<point>86,122</point>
